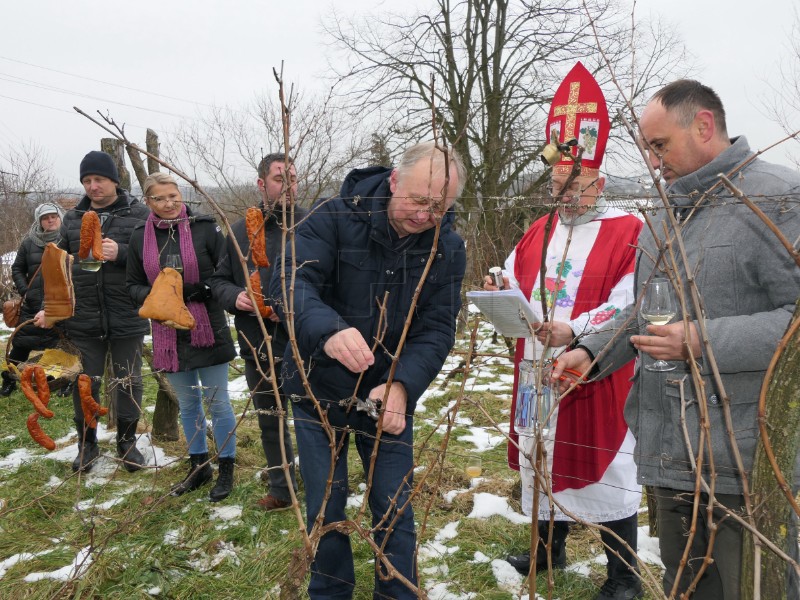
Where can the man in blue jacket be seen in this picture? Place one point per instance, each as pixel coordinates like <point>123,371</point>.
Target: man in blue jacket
<point>365,339</point>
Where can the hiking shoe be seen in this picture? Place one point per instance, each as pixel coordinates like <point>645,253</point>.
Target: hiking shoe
<point>270,503</point>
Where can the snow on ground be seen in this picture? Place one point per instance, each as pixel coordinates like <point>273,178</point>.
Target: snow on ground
<point>482,438</point>
<point>237,389</point>
<point>205,562</point>
<point>229,515</point>
<point>487,505</point>
<point>75,569</point>
<point>6,564</point>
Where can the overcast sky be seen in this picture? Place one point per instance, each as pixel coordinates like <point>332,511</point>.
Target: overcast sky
<point>188,54</point>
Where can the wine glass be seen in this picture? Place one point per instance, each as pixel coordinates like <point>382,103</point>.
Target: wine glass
<point>474,466</point>
<point>658,307</point>
<point>173,261</point>
<point>90,263</point>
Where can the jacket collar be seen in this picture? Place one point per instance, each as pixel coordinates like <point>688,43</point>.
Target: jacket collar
<point>686,190</point>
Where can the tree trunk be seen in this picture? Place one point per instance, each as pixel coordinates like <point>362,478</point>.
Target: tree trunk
<point>116,149</point>
<point>138,165</point>
<point>165,416</point>
<point>772,510</point>
<point>108,400</point>
<point>652,510</point>
<point>151,144</point>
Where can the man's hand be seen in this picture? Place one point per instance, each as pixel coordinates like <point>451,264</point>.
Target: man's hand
<point>666,342</point>
<point>350,349</point>
<point>39,321</point>
<point>110,249</point>
<point>489,286</point>
<point>244,303</point>
<point>561,335</point>
<point>394,417</point>
<point>578,360</point>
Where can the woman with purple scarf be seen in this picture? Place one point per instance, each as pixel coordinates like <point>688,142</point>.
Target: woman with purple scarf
<point>196,361</point>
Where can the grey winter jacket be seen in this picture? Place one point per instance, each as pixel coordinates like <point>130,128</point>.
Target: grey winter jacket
<point>748,284</point>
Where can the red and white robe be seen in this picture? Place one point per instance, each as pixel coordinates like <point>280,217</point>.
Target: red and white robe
<point>589,446</point>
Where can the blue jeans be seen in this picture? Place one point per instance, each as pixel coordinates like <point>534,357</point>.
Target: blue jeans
<point>213,383</point>
<point>332,573</point>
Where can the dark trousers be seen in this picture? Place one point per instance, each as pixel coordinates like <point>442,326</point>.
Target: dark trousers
<point>332,572</point>
<point>126,360</point>
<point>721,578</point>
<point>264,399</point>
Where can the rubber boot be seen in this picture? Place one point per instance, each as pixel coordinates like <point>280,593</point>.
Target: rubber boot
<point>199,474</point>
<point>132,459</point>
<point>9,384</point>
<point>522,562</point>
<point>222,489</point>
<point>87,448</point>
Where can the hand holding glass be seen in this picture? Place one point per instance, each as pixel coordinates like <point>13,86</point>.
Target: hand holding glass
<point>659,308</point>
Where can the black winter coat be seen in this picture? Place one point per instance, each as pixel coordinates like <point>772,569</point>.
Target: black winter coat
<point>29,257</point>
<point>229,281</point>
<point>103,307</point>
<point>349,261</point>
<point>209,246</point>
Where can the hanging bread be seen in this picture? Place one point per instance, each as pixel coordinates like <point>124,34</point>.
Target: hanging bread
<point>256,235</point>
<point>91,409</point>
<point>165,302</point>
<point>35,396</point>
<point>91,236</point>
<point>255,282</point>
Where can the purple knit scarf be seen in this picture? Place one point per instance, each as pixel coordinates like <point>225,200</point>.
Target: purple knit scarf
<point>165,339</point>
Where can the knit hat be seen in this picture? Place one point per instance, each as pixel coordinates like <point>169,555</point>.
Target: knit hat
<point>99,163</point>
<point>47,209</point>
<point>579,112</point>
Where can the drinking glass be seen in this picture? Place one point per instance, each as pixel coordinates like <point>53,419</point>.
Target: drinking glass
<point>659,307</point>
<point>90,263</point>
<point>173,261</point>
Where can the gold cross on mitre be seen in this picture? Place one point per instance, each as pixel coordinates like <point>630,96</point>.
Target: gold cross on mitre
<point>572,108</point>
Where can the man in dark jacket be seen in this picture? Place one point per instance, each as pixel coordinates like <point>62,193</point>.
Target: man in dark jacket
<point>228,284</point>
<point>106,319</point>
<point>359,259</point>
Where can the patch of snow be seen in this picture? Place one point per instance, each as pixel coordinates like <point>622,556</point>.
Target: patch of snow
<point>480,558</point>
<point>237,389</point>
<point>231,515</point>
<point>75,570</point>
<point>482,439</point>
<point>648,549</point>
<point>203,562</point>
<point>6,564</point>
<point>172,537</point>
<point>15,459</point>
<point>487,505</point>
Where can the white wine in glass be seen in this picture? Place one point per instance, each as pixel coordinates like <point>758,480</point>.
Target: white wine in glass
<point>173,261</point>
<point>659,308</point>
<point>474,467</point>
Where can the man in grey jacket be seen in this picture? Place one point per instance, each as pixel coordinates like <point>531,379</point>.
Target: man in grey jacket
<point>748,284</point>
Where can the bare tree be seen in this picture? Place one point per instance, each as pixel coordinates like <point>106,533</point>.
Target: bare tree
<point>490,67</point>
<point>225,146</point>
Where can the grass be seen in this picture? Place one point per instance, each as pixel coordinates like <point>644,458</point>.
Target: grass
<point>147,543</point>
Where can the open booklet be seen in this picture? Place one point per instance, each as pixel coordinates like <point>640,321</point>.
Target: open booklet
<point>508,310</point>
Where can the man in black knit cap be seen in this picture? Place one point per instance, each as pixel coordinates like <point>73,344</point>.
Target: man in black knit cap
<point>106,319</point>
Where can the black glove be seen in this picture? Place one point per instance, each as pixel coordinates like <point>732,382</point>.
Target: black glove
<point>196,292</point>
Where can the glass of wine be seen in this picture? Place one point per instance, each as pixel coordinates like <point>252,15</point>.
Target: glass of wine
<point>659,307</point>
<point>90,263</point>
<point>173,261</point>
<point>474,468</point>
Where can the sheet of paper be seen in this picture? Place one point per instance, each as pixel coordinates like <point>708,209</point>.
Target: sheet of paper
<point>508,310</point>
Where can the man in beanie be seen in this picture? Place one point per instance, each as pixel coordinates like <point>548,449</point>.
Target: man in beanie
<point>106,319</point>
<point>45,229</point>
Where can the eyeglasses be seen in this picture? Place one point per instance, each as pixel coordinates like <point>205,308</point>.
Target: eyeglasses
<point>170,198</point>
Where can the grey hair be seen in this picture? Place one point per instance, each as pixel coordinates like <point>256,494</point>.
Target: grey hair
<point>157,179</point>
<point>429,151</point>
